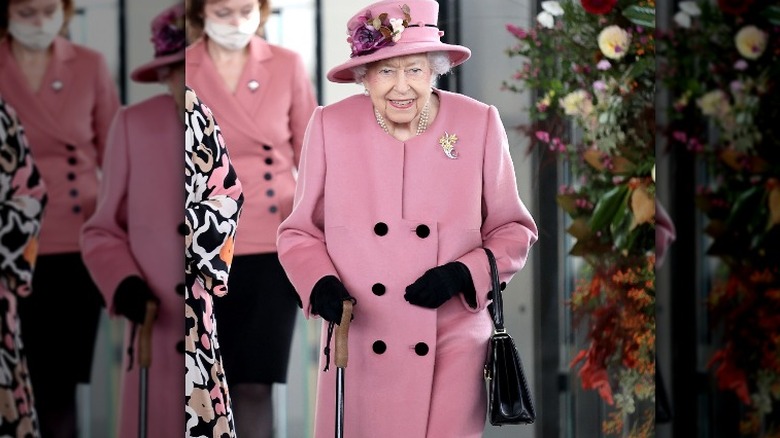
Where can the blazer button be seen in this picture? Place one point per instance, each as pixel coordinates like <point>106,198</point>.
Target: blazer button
<point>379,347</point>
<point>422,231</point>
<point>269,161</point>
<point>378,289</point>
<point>503,285</point>
<point>266,147</point>
<point>73,193</point>
<point>72,161</point>
<point>267,176</point>
<point>421,348</point>
<point>183,229</point>
<point>380,228</point>
<point>180,289</point>
<point>71,176</point>
<point>76,209</point>
<point>70,147</point>
<point>180,347</point>
<point>269,193</point>
<point>273,209</point>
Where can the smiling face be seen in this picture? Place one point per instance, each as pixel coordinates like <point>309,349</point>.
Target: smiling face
<point>399,88</point>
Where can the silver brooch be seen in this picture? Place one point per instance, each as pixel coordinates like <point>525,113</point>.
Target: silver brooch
<point>253,85</point>
<point>56,85</point>
<point>447,142</point>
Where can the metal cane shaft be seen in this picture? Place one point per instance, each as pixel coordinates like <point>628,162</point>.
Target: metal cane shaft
<point>144,361</point>
<point>342,356</point>
<point>340,403</point>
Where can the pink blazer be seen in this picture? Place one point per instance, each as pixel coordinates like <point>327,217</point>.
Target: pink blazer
<point>263,129</point>
<point>135,231</point>
<point>377,213</point>
<point>67,122</point>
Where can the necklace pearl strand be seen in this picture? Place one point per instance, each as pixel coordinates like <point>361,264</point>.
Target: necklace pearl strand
<point>422,124</point>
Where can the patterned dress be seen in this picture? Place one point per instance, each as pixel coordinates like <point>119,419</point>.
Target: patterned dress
<point>22,200</point>
<point>213,205</point>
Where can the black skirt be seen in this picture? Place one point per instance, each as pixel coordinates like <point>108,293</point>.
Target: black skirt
<point>256,320</point>
<point>59,322</point>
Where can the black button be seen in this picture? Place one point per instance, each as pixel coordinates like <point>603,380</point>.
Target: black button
<point>503,285</point>
<point>266,147</point>
<point>72,161</point>
<point>380,228</point>
<point>73,193</point>
<point>77,209</point>
<point>71,176</point>
<point>180,288</point>
<point>183,229</point>
<point>421,348</point>
<point>180,347</point>
<point>378,289</point>
<point>273,209</point>
<point>70,147</point>
<point>269,161</point>
<point>422,231</point>
<point>267,176</point>
<point>269,192</point>
<point>379,347</point>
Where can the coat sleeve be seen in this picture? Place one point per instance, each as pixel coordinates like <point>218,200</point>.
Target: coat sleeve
<point>105,244</point>
<point>303,105</point>
<point>22,201</point>
<point>214,199</point>
<point>106,105</point>
<point>301,237</point>
<point>508,228</point>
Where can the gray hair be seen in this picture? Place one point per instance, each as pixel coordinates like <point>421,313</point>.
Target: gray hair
<point>439,61</point>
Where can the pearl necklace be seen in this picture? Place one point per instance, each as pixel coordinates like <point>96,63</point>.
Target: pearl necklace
<point>422,124</point>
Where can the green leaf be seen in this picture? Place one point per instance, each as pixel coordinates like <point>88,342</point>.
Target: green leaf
<point>747,204</point>
<point>641,15</point>
<point>608,206</point>
<point>772,13</point>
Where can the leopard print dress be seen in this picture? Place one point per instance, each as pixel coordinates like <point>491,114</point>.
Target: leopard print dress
<point>22,200</point>
<point>213,205</point>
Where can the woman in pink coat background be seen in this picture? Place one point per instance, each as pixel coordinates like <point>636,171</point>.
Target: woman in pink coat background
<point>66,99</point>
<point>133,243</point>
<point>22,202</point>
<point>262,97</point>
<point>399,190</point>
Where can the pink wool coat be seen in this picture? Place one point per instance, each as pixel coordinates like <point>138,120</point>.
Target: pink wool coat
<point>135,231</point>
<point>66,122</point>
<point>378,213</point>
<point>263,128</point>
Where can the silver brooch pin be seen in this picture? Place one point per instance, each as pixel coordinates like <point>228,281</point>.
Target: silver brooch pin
<point>56,85</point>
<point>447,142</point>
<point>253,85</point>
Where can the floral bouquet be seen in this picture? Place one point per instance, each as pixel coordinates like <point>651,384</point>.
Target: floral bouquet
<point>592,63</point>
<point>720,66</point>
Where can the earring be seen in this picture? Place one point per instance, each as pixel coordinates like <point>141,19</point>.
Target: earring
<point>365,92</point>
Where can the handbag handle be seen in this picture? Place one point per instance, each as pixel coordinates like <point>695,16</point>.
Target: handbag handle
<point>497,307</point>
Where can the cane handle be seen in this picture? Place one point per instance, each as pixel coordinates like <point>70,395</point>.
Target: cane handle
<point>145,338</point>
<point>342,334</point>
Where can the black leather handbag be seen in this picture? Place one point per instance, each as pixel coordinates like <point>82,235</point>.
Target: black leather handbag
<point>509,398</point>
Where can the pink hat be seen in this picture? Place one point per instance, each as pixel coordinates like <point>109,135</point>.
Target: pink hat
<point>169,40</point>
<point>391,28</point>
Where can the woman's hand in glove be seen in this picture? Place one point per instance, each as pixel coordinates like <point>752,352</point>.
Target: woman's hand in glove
<point>131,297</point>
<point>441,283</point>
<point>327,297</point>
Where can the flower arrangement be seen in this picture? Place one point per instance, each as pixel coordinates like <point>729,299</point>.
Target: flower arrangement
<point>720,65</point>
<point>368,34</point>
<point>168,32</point>
<point>592,63</point>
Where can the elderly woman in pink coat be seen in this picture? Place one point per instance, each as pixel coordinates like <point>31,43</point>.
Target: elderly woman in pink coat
<point>400,188</point>
<point>66,98</point>
<point>22,202</point>
<point>133,243</point>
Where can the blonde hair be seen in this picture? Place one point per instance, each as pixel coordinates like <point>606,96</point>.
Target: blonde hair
<point>67,11</point>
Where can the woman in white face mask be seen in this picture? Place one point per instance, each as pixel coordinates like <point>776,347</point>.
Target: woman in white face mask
<point>66,98</point>
<point>262,97</point>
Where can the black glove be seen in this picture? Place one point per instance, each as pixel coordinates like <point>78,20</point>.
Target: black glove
<point>130,298</point>
<point>441,283</point>
<point>327,297</point>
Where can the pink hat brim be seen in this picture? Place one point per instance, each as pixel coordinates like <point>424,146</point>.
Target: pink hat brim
<point>343,73</point>
<point>149,72</point>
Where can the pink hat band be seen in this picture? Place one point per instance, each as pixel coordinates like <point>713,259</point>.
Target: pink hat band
<point>414,34</point>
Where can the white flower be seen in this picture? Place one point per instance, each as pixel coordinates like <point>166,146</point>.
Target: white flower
<point>683,19</point>
<point>546,19</point>
<point>750,42</point>
<point>577,103</point>
<point>552,7</point>
<point>690,8</point>
<point>398,28</point>
<point>714,103</point>
<point>614,41</point>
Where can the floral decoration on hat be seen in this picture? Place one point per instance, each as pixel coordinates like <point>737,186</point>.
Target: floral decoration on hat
<point>168,33</point>
<point>368,34</point>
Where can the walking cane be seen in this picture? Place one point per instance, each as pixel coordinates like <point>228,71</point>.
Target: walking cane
<point>144,361</point>
<point>342,355</point>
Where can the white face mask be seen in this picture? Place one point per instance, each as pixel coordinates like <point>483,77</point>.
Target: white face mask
<point>34,37</point>
<point>232,37</point>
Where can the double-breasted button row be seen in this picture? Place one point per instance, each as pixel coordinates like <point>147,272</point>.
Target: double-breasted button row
<point>420,348</point>
<point>183,229</point>
<point>71,176</point>
<point>422,230</point>
<point>180,289</point>
<point>180,347</point>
